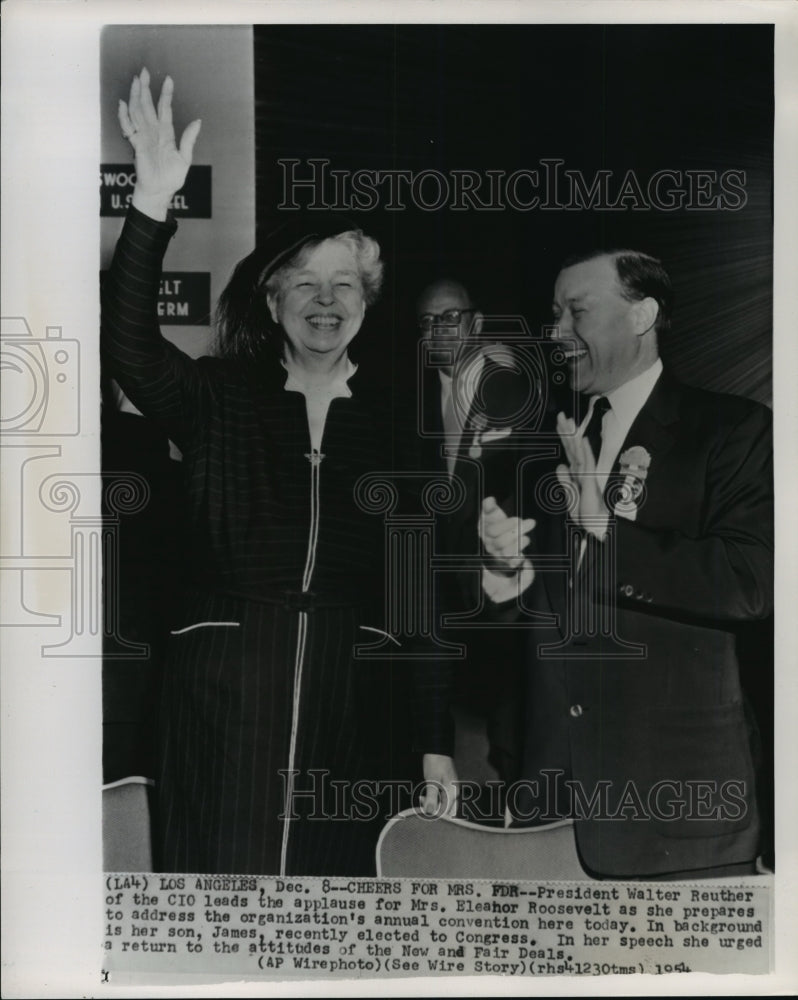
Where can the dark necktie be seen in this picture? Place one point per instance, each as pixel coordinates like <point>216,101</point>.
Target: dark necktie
<point>452,431</point>
<point>593,429</point>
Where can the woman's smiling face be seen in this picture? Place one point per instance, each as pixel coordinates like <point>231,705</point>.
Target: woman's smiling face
<point>320,304</point>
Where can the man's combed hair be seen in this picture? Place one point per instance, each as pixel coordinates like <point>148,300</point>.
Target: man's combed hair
<point>245,330</point>
<point>640,276</point>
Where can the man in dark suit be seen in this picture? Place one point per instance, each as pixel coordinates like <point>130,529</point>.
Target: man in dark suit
<point>659,544</point>
<point>469,390</point>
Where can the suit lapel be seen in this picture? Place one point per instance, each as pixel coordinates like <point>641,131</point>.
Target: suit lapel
<point>652,430</point>
<point>651,427</point>
<point>431,416</point>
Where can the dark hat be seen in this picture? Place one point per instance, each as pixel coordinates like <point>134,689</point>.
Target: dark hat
<point>286,239</point>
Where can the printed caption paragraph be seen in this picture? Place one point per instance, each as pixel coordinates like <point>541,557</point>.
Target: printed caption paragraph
<point>282,928</point>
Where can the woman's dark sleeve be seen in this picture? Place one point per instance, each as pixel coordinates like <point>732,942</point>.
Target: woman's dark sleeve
<point>162,381</point>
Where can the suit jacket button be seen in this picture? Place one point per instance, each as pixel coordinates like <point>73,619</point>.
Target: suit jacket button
<point>576,711</point>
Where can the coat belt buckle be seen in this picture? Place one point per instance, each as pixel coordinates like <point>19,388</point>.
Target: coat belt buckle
<point>298,600</point>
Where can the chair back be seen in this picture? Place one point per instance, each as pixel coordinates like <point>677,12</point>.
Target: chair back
<point>412,844</point>
<point>127,842</point>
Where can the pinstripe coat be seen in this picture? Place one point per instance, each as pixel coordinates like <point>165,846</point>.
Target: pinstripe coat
<point>262,701</point>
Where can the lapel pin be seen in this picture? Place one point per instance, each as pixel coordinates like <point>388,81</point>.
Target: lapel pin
<point>635,463</point>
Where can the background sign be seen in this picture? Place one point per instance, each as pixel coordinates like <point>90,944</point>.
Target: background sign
<point>184,298</point>
<point>117,181</point>
<point>216,207</point>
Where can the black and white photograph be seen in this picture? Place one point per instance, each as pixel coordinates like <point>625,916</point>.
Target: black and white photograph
<point>396,561</point>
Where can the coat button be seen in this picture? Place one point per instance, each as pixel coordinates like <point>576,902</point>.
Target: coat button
<point>576,711</point>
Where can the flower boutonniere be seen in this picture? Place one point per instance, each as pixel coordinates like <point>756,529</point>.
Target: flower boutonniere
<point>635,463</point>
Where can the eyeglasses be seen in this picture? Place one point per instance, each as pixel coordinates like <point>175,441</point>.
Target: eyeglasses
<point>450,317</point>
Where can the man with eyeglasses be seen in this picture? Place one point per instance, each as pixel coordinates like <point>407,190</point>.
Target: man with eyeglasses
<point>446,318</point>
<point>462,384</point>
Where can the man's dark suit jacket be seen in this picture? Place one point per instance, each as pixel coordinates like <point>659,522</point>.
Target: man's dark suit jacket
<point>662,735</point>
<point>488,680</point>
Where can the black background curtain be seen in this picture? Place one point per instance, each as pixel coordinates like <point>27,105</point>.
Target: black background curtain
<point>502,97</point>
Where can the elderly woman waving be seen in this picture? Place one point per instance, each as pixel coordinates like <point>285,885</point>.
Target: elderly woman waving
<point>261,716</point>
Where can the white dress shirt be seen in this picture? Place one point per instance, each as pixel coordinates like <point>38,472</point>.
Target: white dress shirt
<point>625,403</point>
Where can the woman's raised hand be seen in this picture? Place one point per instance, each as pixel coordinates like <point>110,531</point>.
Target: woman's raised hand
<point>161,166</point>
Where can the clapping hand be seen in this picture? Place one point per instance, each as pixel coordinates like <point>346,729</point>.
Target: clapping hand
<point>161,166</point>
<point>579,478</point>
<point>504,537</point>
